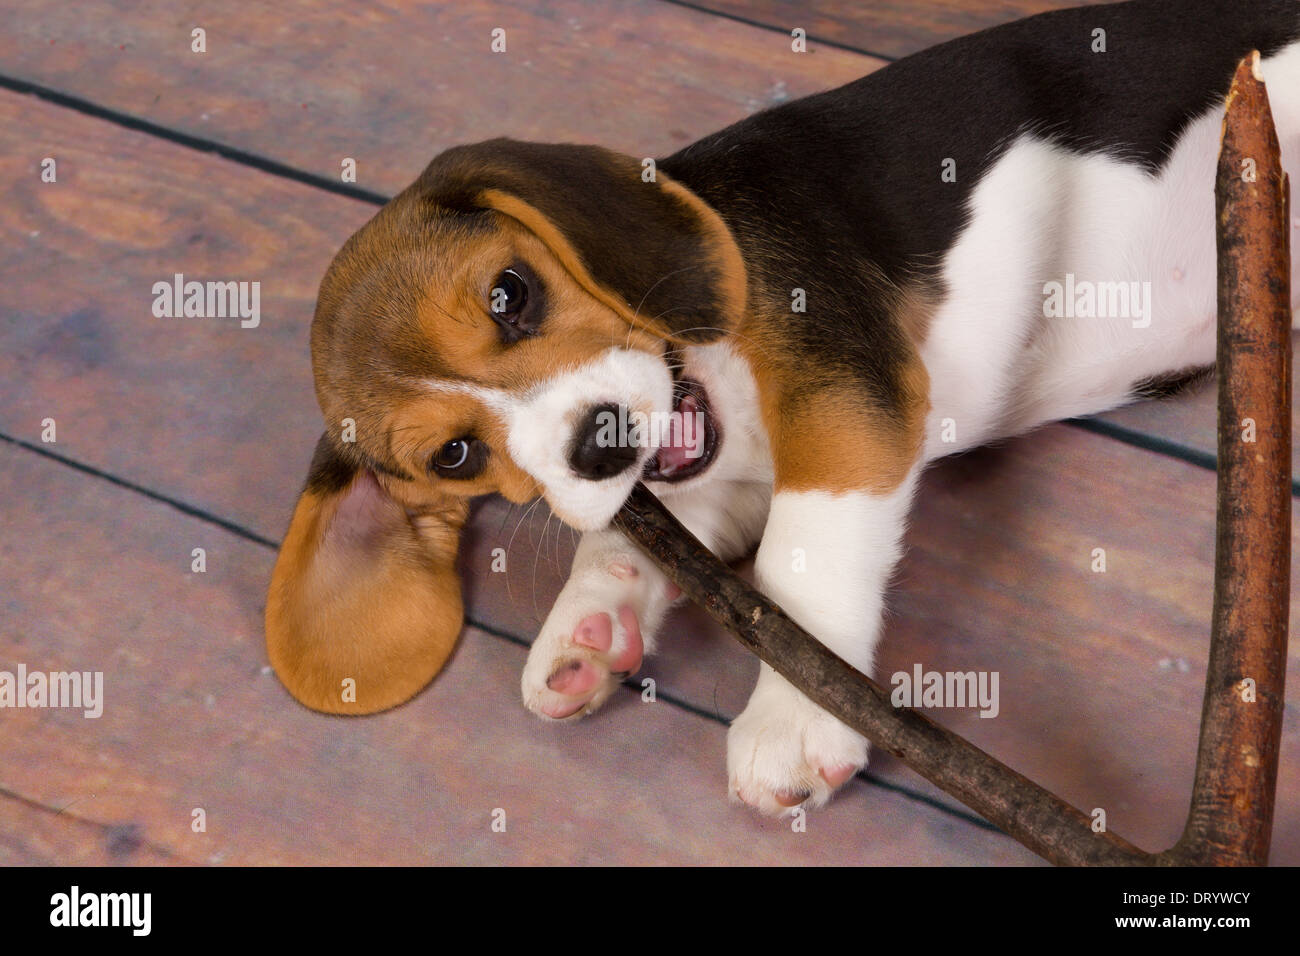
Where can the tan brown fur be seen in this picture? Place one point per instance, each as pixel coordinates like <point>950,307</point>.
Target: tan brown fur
<point>383,612</point>
<point>833,438</point>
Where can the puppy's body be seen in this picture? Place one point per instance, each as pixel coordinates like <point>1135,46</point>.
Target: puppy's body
<point>854,284</point>
<point>1065,161</point>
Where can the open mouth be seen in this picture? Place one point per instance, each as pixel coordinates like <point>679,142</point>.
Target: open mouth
<point>691,439</point>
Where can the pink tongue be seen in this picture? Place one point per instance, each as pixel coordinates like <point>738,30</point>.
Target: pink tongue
<point>685,440</point>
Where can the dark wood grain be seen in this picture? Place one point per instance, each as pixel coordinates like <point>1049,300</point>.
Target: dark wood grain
<point>571,74</point>
<point>391,84</point>
<point>182,406</point>
<point>99,578</point>
<point>31,835</point>
<point>1186,419</point>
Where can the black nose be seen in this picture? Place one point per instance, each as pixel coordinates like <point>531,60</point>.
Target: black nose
<point>600,449</point>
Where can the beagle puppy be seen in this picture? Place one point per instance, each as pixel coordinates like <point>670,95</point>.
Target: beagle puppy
<point>1004,230</point>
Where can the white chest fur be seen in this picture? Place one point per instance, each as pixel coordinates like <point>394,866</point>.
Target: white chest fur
<point>1079,276</point>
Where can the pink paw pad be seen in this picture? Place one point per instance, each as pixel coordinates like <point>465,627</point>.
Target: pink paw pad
<point>791,798</point>
<point>558,710</point>
<point>837,776</point>
<point>576,678</point>
<point>573,678</point>
<point>581,678</point>
<point>595,632</point>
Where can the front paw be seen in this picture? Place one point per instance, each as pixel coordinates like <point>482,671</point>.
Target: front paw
<point>784,751</point>
<point>580,657</point>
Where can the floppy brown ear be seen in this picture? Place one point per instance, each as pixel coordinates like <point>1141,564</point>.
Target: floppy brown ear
<point>651,249</point>
<point>364,606</point>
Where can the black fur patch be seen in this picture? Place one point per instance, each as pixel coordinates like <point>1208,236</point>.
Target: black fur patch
<point>836,192</point>
<point>331,470</point>
<point>1173,383</point>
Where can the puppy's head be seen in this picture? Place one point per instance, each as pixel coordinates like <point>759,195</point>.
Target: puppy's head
<point>496,327</point>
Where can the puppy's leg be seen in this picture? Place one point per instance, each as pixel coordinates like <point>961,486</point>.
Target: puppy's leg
<point>601,625</point>
<point>606,617</point>
<point>825,559</point>
<point>845,468</point>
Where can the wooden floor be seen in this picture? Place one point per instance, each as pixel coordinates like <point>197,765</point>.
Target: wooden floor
<point>176,434</point>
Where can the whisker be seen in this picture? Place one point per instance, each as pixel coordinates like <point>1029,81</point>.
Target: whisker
<point>668,275</point>
<point>510,544</point>
<point>537,555</point>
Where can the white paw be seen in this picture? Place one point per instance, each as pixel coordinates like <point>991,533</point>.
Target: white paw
<point>591,640</point>
<point>784,751</point>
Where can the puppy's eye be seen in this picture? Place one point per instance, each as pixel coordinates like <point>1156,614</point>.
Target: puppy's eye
<point>460,458</point>
<point>517,303</point>
<point>452,455</point>
<point>509,294</point>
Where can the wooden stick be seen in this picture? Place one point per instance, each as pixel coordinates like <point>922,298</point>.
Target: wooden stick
<point>1231,816</point>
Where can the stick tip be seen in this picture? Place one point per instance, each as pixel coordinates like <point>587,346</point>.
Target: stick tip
<point>1246,76</point>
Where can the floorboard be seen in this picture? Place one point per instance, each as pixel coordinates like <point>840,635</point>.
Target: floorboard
<point>100,579</point>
